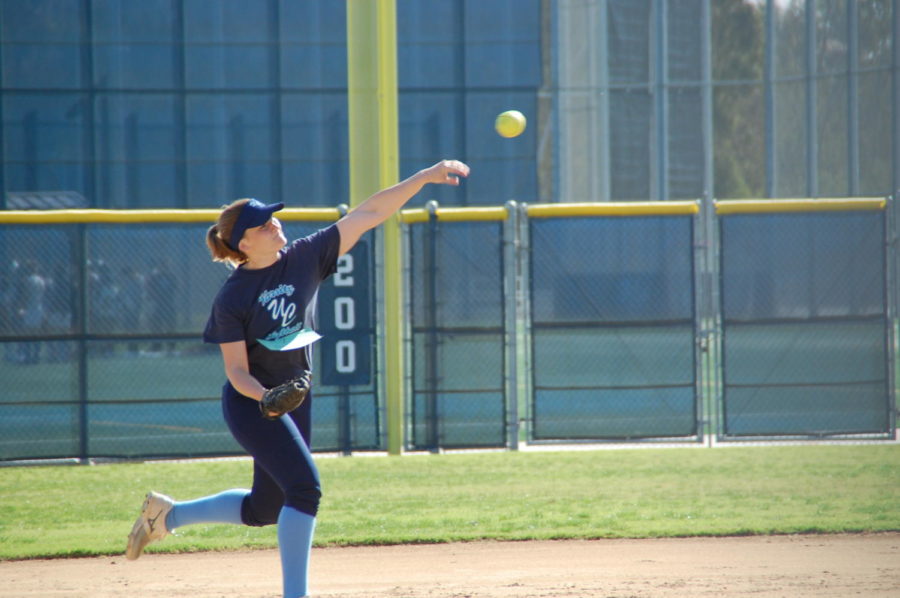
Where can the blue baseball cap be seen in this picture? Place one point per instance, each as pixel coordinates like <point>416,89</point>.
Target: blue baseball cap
<point>254,213</point>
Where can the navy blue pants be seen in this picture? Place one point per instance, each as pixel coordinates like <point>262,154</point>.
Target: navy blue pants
<point>283,469</point>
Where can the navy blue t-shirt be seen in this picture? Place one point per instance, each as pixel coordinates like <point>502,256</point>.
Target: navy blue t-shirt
<point>274,303</point>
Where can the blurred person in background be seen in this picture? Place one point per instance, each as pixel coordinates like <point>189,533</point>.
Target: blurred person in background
<point>32,308</point>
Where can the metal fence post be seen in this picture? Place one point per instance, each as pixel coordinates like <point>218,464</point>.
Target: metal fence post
<point>526,378</point>
<point>718,330</point>
<point>704,241</point>
<point>432,405</point>
<point>891,297</point>
<point>700,295</point>
<point>895,135</point>
<point>80,260</point>
<point>511,286</point>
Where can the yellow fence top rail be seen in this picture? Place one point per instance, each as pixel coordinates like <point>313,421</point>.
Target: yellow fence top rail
<point>91,216</point>
<point>768,206</point>
<point>610,208</point>
<point>415,215</point>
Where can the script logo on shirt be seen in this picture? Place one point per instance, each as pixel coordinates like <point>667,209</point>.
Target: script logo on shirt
<point>274,302</point>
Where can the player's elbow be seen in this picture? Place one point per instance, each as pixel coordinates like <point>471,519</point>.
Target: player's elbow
<point>355,224</point>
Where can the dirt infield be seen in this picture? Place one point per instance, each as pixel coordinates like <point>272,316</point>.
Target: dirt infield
<point>762,567</point>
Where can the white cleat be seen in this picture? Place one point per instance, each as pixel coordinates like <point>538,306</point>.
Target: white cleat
<point>150,526</point>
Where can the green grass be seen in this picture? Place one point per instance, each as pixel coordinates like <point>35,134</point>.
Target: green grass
<point>73,510</point>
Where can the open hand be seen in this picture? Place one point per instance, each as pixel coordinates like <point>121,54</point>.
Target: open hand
<point>447,172</point>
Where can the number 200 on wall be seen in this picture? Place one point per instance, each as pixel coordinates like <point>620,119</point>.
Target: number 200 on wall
<point>344,309</point>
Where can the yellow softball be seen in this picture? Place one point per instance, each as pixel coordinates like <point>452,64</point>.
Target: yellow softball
<point>510,123</point>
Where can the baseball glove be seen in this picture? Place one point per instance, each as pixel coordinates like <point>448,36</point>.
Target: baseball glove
<point>284,398</point>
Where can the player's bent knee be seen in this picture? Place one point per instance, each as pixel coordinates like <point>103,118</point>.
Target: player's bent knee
<point>304,499</point>
<point>254,520</point>
<point>256,515</point>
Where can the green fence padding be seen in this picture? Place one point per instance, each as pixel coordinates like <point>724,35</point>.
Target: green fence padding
<point>804,324</point>
<point>612,328</point>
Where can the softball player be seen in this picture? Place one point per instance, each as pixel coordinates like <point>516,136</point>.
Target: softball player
<point>267,300</point>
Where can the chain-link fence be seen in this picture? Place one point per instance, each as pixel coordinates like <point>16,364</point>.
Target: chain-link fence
<point>99,332</point>
<point>101,349</point>
<point>806,330</point>
<point>534,324</point>
<point>612,322</point>
<point>458,342</point>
